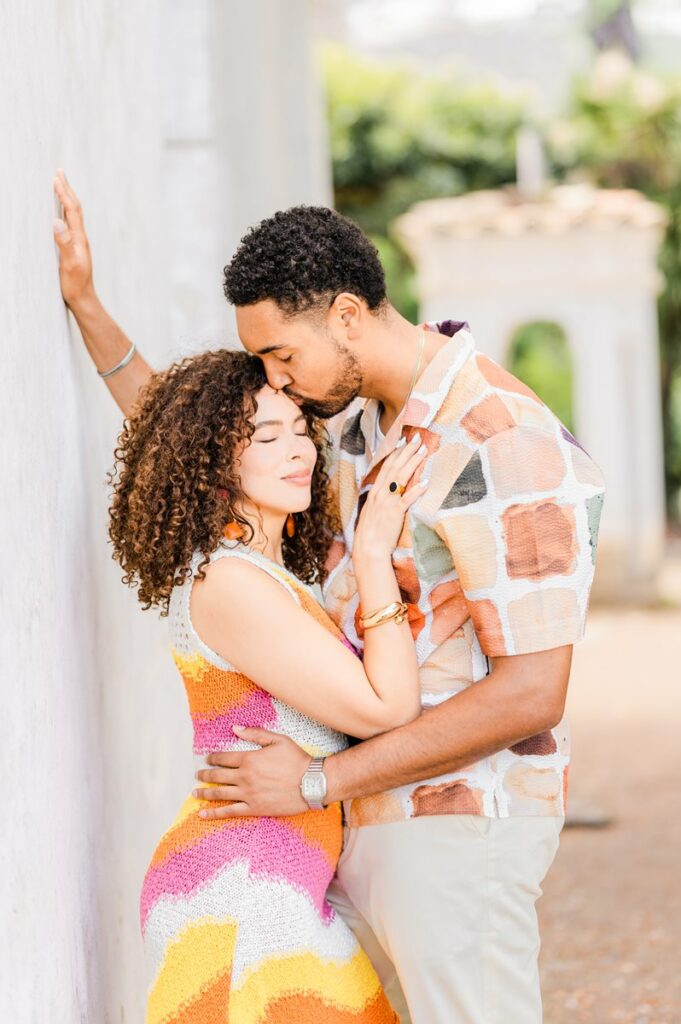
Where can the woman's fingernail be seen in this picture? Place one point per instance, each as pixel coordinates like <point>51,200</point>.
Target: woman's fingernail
<point>422,449</point>
<point>203,814</point>
<point>59,226</point>
<point>416,439</point>
<point>238,729</point>
<point>195,793</point>
<point>401,443</point>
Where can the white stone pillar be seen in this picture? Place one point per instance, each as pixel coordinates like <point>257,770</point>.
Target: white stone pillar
<point>586,260</point>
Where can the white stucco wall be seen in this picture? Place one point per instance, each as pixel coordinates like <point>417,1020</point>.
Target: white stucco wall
<point>95,752</point>
<point>244,136</point>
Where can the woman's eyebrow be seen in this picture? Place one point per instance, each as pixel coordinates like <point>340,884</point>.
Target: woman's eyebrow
<point>277,423</point>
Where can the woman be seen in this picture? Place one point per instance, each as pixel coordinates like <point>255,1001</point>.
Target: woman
<point>222,518</point>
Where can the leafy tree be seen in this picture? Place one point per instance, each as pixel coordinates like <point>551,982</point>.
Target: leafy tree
<point>400,134</point>
<point>624,129</point>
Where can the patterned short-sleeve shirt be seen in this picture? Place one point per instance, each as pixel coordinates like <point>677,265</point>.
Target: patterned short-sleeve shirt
<point>496,558</point>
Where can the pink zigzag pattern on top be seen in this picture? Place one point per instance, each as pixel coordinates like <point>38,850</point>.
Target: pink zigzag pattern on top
<point>210,734</point>
<point>272,848</point>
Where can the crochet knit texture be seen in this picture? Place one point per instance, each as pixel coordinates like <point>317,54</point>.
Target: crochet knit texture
<point>235,922</point>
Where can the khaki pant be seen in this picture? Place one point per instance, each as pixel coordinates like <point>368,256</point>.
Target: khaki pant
<point>445,908</point>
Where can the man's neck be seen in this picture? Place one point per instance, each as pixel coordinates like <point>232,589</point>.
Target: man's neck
<point>395,348</point>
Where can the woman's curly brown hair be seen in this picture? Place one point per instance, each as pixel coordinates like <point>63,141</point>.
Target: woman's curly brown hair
<point>174,481</point>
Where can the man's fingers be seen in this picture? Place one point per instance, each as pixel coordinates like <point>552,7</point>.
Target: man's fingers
<point>218,793</point>
<point>260,736</point>
<point>219,776</point>
<point>223,759</point>
<point>236,810</point>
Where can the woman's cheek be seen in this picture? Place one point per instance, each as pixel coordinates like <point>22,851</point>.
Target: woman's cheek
<point>313,454</point>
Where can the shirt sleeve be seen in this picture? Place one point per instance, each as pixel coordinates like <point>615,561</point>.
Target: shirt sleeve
<point>521,525</point>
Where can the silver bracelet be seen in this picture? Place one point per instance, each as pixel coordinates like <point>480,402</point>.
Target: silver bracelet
<point>119,366</point>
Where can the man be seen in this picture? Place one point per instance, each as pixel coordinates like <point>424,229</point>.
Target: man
<point>454,819</point>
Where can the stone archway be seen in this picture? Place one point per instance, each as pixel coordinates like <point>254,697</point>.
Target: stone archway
<point>583,258</point>
<point>539,354</point>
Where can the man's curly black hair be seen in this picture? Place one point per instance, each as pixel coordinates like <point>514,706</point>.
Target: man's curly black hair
<point>304,257</point>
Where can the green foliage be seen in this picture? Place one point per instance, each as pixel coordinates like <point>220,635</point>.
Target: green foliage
<point>540,356</point>
<point>624,131</point>
<point>400,134</point>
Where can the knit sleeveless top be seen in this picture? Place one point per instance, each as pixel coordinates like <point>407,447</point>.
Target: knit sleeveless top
<point>219,695</point>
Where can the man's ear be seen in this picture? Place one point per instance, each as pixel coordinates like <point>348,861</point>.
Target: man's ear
<point>347,313</point>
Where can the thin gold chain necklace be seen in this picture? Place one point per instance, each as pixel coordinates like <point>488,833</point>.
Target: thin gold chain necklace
<point>414,378</point>
<point>417,367</point>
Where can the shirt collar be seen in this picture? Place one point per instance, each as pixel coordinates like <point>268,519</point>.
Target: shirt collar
<point>428,392</point>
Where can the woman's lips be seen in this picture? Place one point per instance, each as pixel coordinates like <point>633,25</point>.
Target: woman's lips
<point>300,479</point>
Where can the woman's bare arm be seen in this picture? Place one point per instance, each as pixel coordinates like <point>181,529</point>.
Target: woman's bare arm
<point>104,339</point>
<point>251,621</point>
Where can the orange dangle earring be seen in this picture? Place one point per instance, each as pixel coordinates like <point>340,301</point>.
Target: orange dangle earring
<point>234,531</point>
<point>290,525</point>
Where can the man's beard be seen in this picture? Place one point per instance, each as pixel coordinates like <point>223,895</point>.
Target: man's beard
<point>347,387</point>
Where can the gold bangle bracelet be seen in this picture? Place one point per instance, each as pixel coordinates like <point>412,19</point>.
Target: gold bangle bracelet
<point>396,610</point>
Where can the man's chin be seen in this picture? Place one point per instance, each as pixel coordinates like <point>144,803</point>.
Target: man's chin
<point>323,410</point>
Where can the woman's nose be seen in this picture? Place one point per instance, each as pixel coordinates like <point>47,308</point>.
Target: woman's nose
<point>298,446</point>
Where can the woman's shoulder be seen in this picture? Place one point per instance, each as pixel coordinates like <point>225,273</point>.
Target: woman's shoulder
<point>235,562</point>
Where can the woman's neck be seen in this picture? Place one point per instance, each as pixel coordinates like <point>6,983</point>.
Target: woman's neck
<point>268,532</point>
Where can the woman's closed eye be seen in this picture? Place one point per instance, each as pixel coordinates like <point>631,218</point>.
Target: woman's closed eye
<point>269,440</point>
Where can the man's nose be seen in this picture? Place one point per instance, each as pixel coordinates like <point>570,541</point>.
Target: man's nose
<point>277,378</point>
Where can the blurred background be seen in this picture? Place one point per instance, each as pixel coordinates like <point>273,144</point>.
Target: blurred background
<point>518,165</point>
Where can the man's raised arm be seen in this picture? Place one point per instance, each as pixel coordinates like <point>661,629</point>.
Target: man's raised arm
<point>108,345</point>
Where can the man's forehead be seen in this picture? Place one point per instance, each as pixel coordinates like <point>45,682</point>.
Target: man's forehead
<point>262,326</point>
<point>265,312</point>
<point>262,335</point>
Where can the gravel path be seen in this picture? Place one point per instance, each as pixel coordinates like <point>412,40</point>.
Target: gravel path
<point>611,913</point>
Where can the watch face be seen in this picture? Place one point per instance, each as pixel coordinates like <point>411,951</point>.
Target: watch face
<point>314,787</point>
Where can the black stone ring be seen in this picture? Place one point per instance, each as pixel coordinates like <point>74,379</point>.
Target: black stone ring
<point>394,486</point>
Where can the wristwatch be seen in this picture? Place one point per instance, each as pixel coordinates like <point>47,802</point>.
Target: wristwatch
<point>313,784</point>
